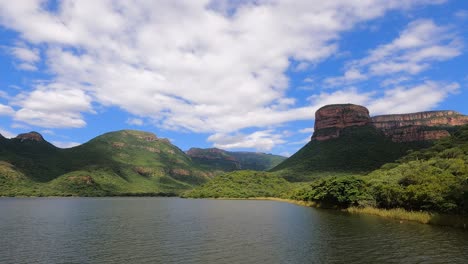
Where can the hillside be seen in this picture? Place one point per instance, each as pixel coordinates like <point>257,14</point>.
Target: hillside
<point>117,163</point>
<point>434,179</point>
<point>242,184</point>
<point>218,159</point>
<point>347,140</point>
<point>358,150</point>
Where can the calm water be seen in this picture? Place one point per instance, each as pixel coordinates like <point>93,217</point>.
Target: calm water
<point>172,230</point>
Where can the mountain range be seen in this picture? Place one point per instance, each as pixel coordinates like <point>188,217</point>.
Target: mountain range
<point>346,141</point>
<point>124,162</point>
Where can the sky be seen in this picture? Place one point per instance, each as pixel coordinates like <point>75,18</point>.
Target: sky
<point>237,75</point>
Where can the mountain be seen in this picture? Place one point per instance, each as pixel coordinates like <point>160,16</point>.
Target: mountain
<point>347,140</point>
<point>218,159</point>
<point>124,162</point>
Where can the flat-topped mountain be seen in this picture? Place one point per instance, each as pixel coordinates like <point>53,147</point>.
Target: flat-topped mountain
<point>347,140</point>
<point>218,159</point>
<point>330,120</point>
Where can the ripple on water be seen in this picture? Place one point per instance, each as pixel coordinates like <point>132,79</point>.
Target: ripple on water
<point>172,230</point>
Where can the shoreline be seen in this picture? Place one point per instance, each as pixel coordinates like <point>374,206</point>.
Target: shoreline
<point>397,214</point>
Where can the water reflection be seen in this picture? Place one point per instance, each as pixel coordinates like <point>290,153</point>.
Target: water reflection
<point>171,230</point>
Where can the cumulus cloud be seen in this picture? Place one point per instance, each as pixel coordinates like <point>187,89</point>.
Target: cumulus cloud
<point>412,99</point>
<point>26,56</point>
<point>419,45</point>
<point>53,106</point>
<point>135,121</point>
<point>6,133</point>
<point>261,140</point>
<point>307,130</point>
<point>65,144</point>
<point>6,110</point>
<point>203,66</point>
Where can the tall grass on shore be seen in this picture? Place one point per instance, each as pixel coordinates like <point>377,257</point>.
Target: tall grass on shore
<point>417,216</point>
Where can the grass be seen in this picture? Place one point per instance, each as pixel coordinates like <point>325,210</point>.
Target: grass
<point>396,213</point>
<point>458,221</point>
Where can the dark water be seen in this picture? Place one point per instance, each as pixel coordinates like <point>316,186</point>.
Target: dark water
<point>172,230</point>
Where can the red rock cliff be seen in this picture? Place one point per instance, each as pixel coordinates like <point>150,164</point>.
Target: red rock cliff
<point>32,136</point>
<point>330,120</point>
<point>418,126</point>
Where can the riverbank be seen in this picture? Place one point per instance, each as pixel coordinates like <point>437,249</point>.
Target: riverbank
<point>398,214</point>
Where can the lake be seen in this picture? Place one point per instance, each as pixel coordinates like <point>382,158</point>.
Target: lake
<point>174,230</point>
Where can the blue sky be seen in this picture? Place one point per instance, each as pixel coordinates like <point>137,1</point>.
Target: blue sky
<point>238,75</point>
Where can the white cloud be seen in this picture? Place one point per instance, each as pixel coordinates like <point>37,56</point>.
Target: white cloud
<point>65,144</point>
<point>419,45</point>
<point>350,95</point>
<point>301,142</point>
<point>27,57</point>
<point>307,130</point>
<point>48,132</point>
<point>351,75</point>
<point>260,140</point>
<point>203,66</point>
<point>412,99</point>
<point>192,65</point>
<point>6,110</point>
<point>53,106</point>
<point>135,121</point>
<point>23,53</point>
<point>7,133</point>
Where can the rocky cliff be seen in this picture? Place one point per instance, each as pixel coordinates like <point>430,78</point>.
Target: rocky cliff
<point>420,126</point>
<point>31,136</point>
<point>330,121</point>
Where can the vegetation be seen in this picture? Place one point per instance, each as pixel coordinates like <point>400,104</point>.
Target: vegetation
<point>242,184</point>
<point>357,151</point>
<point>217,159</point>
<point>428,186</point>
<point>433,179</point>
<point>118,163</point>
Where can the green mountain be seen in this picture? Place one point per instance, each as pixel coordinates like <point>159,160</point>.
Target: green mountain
<point>218,159</point>
<point>358,150</point>
<point>118,163</point>
<point>433,179</point>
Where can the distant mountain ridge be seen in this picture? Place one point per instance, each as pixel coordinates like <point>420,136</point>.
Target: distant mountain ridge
<point>230,160</point>
<point>125,162</point>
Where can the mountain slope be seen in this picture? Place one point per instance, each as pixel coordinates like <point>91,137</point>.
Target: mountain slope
<point>218,159</point>
<point>358,150</point>
<point>116,163</point>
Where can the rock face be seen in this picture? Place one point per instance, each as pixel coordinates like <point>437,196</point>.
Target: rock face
<point>330,120</point>
<point>420,126</point>
<point>31,136</point>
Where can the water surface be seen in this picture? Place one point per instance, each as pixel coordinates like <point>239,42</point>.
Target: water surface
<point>173,230</point>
